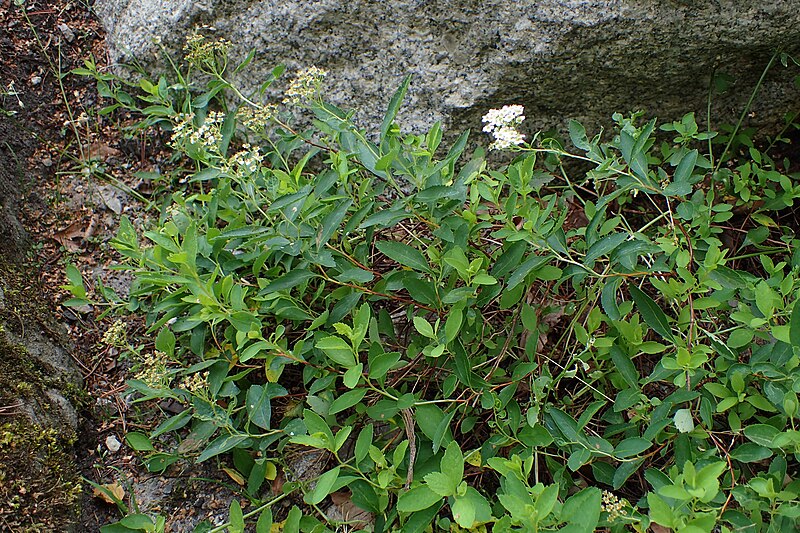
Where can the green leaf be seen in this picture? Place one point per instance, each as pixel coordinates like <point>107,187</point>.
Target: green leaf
<point>765,298</point>
<point>761,434</point>
<point>346,400</point>
<point>603,247</point>
<point>246,61</point>
<point>452,464</point>
<point>420,521</point>
<point>608,298</point>
<point>631,446</point>
<point>380,364</point>
<point>510,258</point>
<point>353,376</point>
<point>625,367</point>
<point>660,512</point>
<point>546,501</point>
<point>683,172</point>
<point>355,275</point>
<point>287,281</point>
<point>441,484</point>
<point>165,341</point>
<point>139,442</point>
<point>577,134</point>
<point>471,509</point>
<point>453,324</point>
<point>363,443</point>
<point>422,291</point>
<point>316,424</point>
<point>235,517</point>
<point>292,522</point>
<point>386,160</point>
<point>652,314</point>
<point>518,276</point>
<point>337,350</point>
<point>259,409</point>
<point>484,279</point>
<point>264,524</point>
<point>394,107</point>
<point>253,350</point>
<point>794,325</point>
<point>582,511</point>
<point>423,327</point>
<point>324,486</point>
<point>386,218</point>
<point>625,471</point>
<point>442,430</point>
<point>750,452</point>
<point>404,254</point>
<point>417,499</point>
<point>171,424</point>
<point>684,421</point>
<point>74,275</point>
<point>138,522</point>
<point>331,222</point>
<point>564,424</point>
<point>221,445</point>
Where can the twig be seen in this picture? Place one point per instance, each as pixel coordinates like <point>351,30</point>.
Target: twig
<point>408,420</point>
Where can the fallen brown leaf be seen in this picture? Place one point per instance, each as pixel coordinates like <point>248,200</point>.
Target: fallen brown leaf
<point>114,489</point>
<point>234,475</point>
<point>356,517</point>
<point>99,150</point>
<point>70,236</point>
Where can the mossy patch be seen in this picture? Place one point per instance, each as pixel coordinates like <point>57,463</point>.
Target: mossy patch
<point>39,480</point>
<point>39,486</point>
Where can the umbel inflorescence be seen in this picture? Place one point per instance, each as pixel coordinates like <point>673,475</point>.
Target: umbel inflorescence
<point>502,124</point>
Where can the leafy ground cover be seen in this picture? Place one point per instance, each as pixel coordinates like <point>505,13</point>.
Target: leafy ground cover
<point>600,334</point>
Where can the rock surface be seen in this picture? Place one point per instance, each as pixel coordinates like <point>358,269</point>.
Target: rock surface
<point>562,59</point>
<point>39,382</point>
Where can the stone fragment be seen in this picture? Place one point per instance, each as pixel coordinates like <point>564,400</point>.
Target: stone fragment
<point>113,444</point>
<point>67,32</point>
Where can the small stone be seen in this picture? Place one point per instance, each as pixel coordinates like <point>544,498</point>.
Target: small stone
<point>36,80</point>
<point>110,198</point>
<point>113,444</point>
<point>47,161</point>
<point>67,32</point>
<point>84,309</point>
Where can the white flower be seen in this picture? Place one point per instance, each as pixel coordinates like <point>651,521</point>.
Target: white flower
<point>305,86</point>
<point>246,161</point>
<point>210,133</point>
<point>505,138</point>
<point>506,116</point>
<point>502,123</point>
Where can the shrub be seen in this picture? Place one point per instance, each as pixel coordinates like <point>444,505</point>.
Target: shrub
<point>534,346</point>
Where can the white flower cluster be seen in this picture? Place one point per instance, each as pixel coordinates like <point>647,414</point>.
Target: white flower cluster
<point>204,54</point>
<point>116,335</point>
<point>502,124</point>
<point>305,86</point>
<point>246,161</point>
<point>153,371</point>
<point>196,383</point>
<point>210,133</point>
<point>257,118</point>
<point>612,505</point>
<point>183,129</point>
